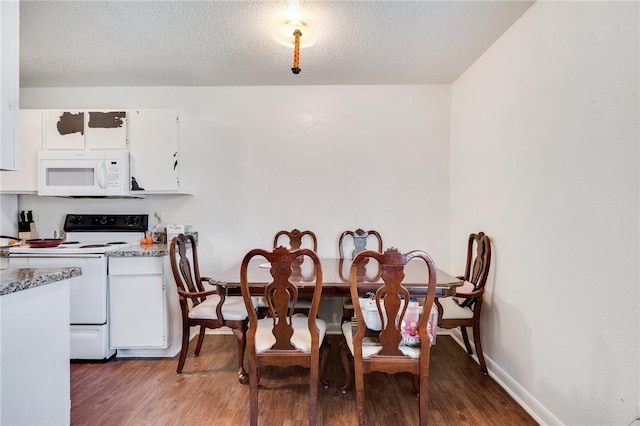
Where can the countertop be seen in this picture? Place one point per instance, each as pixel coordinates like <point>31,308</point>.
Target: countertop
<point>148,250</point>
<point>18,279</point>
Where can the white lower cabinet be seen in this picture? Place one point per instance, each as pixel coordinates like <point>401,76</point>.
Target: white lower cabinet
<point>34,356</point>
<point>138,314</point>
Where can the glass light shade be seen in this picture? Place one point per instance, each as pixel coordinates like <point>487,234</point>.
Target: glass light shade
<point>283,33</point>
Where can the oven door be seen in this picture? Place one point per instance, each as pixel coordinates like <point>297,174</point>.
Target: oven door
<point>88,291</point>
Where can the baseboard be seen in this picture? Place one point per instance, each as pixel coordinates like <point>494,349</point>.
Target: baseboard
<point>527,401</point>
<point>169,352</point>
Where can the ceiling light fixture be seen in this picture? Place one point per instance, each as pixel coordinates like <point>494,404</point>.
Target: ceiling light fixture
<point>296,34</point>
<point>291,30</point>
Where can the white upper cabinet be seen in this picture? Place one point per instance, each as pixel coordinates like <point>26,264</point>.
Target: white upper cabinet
<point>158,163</point>
<point>9,82</point>
<point>73,129</point>
<point>25,179</point>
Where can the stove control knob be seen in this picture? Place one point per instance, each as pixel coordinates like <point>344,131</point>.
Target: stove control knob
<point>131,220</point>
<point>104,220</point>
<point>76,220</point>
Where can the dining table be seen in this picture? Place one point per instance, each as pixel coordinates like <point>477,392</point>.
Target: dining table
<point>335,278</point>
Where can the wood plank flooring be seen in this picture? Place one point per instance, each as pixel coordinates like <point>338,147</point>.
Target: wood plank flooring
<point>149,392</point>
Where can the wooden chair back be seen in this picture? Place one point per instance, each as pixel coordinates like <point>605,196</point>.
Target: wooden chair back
<point>478,259</point>
<point>359,237</point>
<point>391,301</point>
<point>295,239</point>
<point>186,271</point>
<point>281,296</point>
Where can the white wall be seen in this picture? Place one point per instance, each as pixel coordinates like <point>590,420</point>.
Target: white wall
<point>544,158</point>
<point>325,158</point>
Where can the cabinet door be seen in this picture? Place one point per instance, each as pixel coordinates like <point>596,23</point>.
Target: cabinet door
<point>137,311</point>
<point>85,130</point>
<point>64,129</point>
<point>154,145</point>
<point>106,129</point>
<point>137,303</point>
<point>9,82</point>
<point>25,179</point>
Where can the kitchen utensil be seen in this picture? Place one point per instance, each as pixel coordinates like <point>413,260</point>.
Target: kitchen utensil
<point>30,216</point>
<point>44,242</point>
<point>23,225</point>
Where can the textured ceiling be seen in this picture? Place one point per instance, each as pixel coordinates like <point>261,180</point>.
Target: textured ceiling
<point>223,43</point>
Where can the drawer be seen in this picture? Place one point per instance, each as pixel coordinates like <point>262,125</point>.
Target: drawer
<point>135,265</point>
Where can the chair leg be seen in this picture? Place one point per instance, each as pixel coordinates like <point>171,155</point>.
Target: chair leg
<point>362,421</point>
<point>200,339</point>
<point>313,391</point>
<point>476,340</point>
<point>324,357</point>
<point>240,332</point>
<point>465,337</point>
<point>423,402</point>
<point>253,395</point>
<point>185,347</point>
<point>344,357</point>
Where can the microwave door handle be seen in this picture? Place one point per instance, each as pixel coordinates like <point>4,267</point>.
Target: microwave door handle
<point>102,174</point>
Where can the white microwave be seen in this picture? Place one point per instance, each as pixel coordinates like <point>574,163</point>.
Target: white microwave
<point>70,173</point>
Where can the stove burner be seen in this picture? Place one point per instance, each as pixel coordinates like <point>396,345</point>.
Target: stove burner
<point>71,242</point>
<point>93,246</point>
<point>116,242</point>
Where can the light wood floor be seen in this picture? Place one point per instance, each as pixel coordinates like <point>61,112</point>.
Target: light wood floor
<point>149,392</point>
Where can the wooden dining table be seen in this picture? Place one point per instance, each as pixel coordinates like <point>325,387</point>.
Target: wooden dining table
<point>335,278</point>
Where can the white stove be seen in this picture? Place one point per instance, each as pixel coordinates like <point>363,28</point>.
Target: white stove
<point>88,238</point>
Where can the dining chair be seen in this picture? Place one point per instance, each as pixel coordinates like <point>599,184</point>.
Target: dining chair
<point>464,309</point>
<point>202,307</point>
<point>401,345</point>
<point>284,338</point>
<point>360,239</point>
<point>295,239</point>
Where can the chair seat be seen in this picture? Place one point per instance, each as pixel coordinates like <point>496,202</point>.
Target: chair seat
<point>372,349</point>
<point>452,310</point>
<point>301,338</point>
<point>233,309</point>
